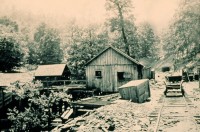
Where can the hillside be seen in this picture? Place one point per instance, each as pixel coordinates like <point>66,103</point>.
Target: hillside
<point>169,61</point>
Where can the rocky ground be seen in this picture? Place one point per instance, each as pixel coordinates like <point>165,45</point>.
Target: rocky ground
<point>124,116</point>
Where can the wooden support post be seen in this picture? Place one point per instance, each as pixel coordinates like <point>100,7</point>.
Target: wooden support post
<point>188,76</point>
<point>199,77</point>
<point>198,70</point>
<point>3,98</point>
<point>199,74</point>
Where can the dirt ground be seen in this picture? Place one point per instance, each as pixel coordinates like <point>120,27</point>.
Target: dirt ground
<point>126,116</point>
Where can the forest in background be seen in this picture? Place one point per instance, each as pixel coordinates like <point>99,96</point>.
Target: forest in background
<point>35,40</point>
<point>26,40</point>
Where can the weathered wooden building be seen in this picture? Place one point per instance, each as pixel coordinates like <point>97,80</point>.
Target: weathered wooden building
<point>110,69</point>
<point>52,73</point>
<point>146,72</point>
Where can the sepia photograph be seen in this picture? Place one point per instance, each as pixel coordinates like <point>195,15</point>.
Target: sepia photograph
<point>100,65</point>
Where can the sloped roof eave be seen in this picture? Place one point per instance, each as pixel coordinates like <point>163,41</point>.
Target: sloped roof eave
<point>50,70</point>
<point>96,56</point>
<point>118,51</point>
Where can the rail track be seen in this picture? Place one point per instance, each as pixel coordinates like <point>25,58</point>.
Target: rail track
<point>175,114</point>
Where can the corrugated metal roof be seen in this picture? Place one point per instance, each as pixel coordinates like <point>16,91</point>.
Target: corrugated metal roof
<point>118,51</point>
<point>50,70</point>
<point>7,78</point>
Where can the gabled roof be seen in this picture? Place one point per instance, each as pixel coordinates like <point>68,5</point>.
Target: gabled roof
<point>7,78</point>
<point>147,62</point>
<point>50,70</point>
<point>118,51</point>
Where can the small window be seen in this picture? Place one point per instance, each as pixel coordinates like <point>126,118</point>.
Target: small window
<point>98,74</point>
<point>120,76</point>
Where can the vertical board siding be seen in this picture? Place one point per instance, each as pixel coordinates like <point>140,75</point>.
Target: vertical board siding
<point>131,69</point>
<point>147,73</point>
<point>109,63</point>
<point>109,58</point>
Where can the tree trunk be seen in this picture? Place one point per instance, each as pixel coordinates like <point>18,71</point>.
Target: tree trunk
<point>123,29</point>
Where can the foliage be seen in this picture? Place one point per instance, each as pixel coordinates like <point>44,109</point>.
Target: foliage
<point>182,38</point>
<point>147,41</point>
<point>33,57</point>
<point>46,46</point>
<point>121,23</point>
<point>30,119</point>
<point>10,55</point>
<point>85,44</point>
<point>37,114</point>
<point>9,23</point>
<point>13,44</point>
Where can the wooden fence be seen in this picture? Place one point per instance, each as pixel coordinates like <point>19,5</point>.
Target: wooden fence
<point>5,98</point>
<point>62,82</point>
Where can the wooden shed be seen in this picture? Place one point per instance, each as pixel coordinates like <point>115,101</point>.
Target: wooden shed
<point>110,69</point>
<point>52,73</point>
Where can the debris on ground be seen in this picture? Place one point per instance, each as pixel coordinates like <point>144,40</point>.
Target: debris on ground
<point>124,115</point>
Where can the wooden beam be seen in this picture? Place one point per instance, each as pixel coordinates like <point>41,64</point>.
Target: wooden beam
<point>198,67</point>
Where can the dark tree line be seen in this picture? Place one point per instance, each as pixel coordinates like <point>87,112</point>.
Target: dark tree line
<point>75,44</point>
<point>182,38</point>
<point>10,55</point>
<point>45,49</point>
<point>18,47</point>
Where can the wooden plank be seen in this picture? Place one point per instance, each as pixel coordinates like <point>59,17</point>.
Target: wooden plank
<point>96,101</point>
<point>198,67</point>
<point>67,114</point>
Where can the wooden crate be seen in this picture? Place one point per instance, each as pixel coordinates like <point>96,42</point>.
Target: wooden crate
<point>136,90</point>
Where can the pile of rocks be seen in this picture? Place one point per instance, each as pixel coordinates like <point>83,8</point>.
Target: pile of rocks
<point>120,116</point>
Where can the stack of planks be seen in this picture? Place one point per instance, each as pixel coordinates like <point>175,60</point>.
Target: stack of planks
<point>137,90</point>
